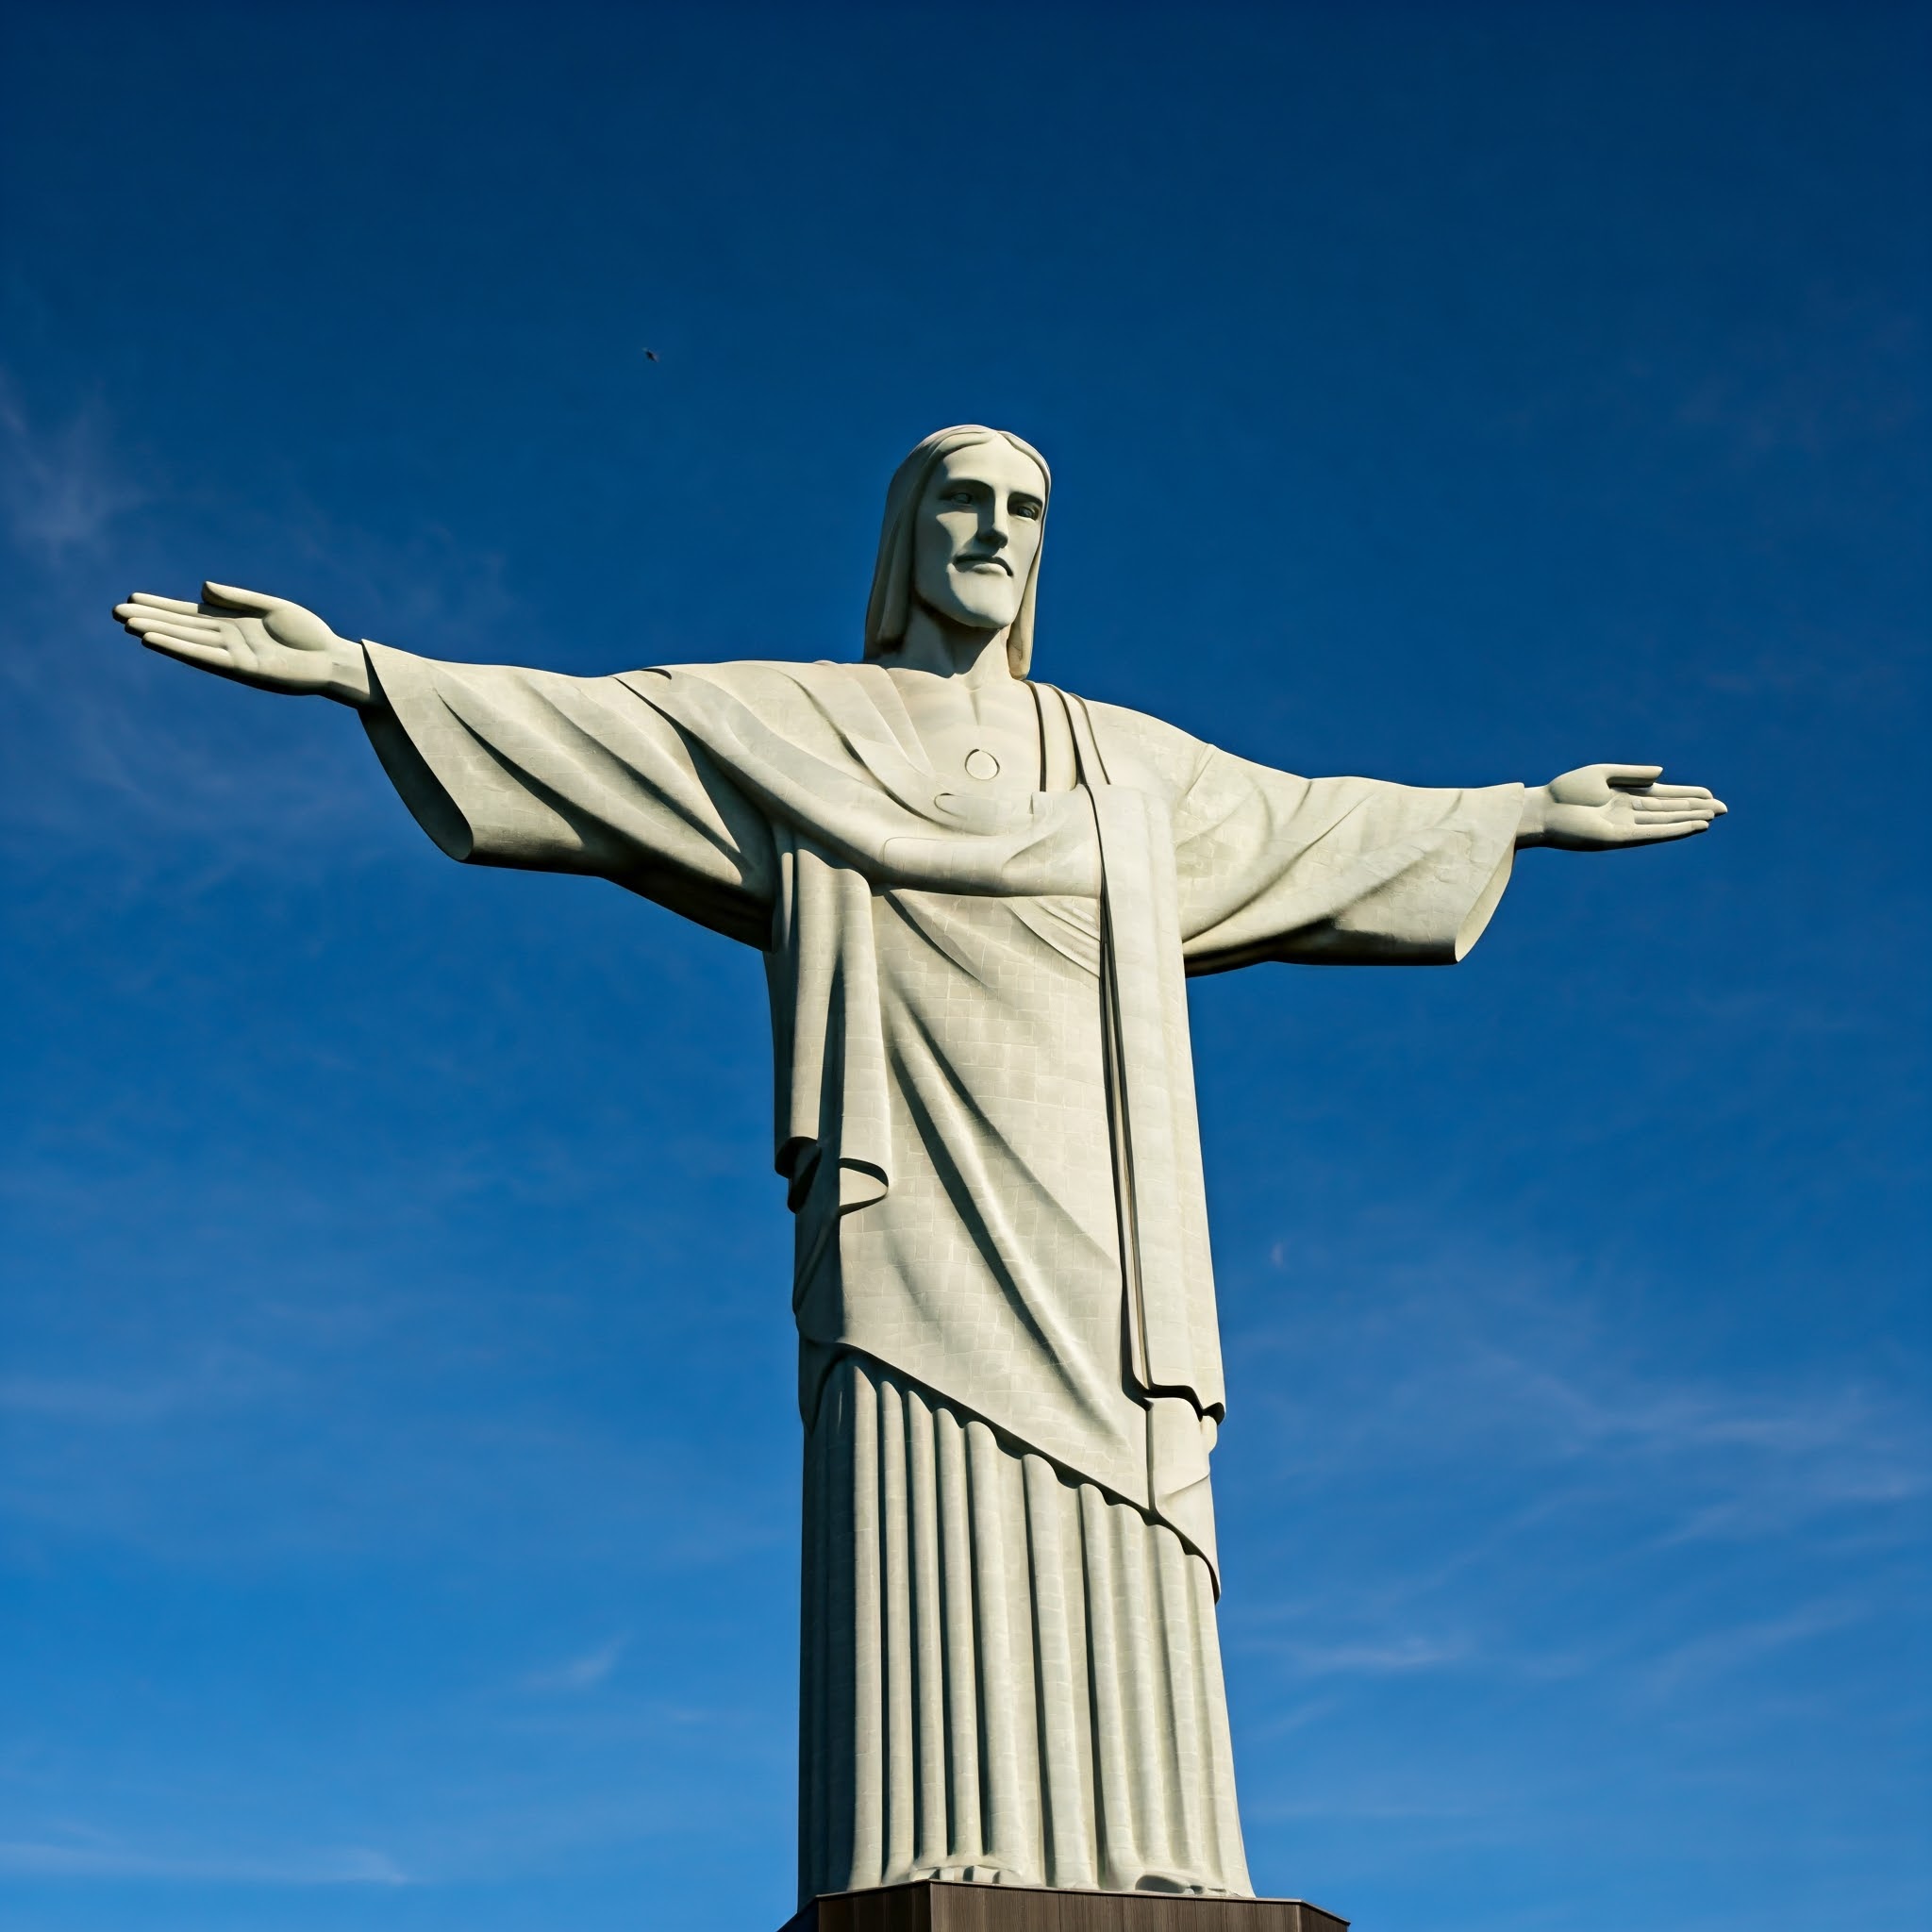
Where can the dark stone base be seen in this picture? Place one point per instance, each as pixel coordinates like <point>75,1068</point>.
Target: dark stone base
<point>930,1905</point>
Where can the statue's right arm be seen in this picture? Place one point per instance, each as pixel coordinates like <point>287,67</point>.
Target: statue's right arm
<point>266,641</point>
<point>506,766</point>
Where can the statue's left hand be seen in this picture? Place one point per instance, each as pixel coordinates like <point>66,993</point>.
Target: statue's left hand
<point>1601,807</point>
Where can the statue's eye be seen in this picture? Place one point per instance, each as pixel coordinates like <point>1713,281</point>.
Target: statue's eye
<point>1025,510</point>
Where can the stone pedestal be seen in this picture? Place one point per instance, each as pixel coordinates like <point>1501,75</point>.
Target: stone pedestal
<point>928,1905</point>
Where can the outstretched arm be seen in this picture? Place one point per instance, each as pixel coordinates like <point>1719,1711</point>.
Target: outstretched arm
<point>266,641</point>
<point>506,766</point>
<point>1360,872</point>
<point>1604,807</point>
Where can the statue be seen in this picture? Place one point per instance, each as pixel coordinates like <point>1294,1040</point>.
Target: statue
<point>978,899</point>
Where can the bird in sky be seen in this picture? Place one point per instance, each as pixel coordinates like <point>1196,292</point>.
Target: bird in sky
<point>650,354</point>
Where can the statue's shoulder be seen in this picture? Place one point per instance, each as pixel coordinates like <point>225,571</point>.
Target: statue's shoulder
<point>759,682</point>
<point>809,704</point>
<point>1158,750</point>
<point>751,674</point>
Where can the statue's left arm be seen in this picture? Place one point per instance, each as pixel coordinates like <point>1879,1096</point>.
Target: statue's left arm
<point>1360,872</point>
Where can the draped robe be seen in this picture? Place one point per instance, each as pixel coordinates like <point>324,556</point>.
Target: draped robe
<point>1009,1360</point>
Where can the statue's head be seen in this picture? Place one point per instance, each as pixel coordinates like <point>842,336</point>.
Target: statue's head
<point>964,514</point>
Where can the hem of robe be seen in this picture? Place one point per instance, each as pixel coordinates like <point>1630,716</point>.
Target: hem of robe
<point>832,1356</point>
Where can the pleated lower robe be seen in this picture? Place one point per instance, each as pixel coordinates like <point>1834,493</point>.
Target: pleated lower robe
<point>1006,1675</point>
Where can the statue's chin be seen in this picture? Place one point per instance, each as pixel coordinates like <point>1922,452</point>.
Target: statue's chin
<point>981,614</point>
<point>972,605</point>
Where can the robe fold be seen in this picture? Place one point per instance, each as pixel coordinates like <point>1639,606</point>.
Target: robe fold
<point>984,1091</point>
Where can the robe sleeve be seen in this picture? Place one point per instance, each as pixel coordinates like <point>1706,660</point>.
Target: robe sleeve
<point>532,769</point>
<point>1335,871</point>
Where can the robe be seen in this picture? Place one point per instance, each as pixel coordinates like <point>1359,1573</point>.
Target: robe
<point>1010,1361</point>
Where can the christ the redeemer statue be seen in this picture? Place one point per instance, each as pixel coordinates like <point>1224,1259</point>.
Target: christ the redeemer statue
<point>979,899</point>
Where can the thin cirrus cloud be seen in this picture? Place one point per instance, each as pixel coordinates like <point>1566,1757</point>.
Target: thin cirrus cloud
<point>1374,1660</point>
<point>1560,1488</point>
<point>160,772</point>
<point>62,485</point>
<point>584,1671</point>
<point>1740,1646</point>
<point>1523,1377</point>
<point>105,1856</point>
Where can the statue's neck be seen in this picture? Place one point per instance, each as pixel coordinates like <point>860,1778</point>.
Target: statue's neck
<point>947,649</point>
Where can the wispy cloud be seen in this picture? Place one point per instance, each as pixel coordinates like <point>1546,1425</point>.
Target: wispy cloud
<point>223,1378</point>
<point>61,485</point>
<point>1394,1656</point>
<point>1503,1488</point>
<point>1730,1461</point>
<point>584,1673</point>
<point>1737,1646</point>
<point>92,1856</point>
<point>110,748</point>
<point>1363,1807</point>
<point>1499,1362</point>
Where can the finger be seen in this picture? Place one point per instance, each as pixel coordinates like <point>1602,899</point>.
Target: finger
<point>189,651</point>
<point>1651,820</point>
<point>139,621</point>
<point>212,641</point>
<point>256,601</point>
<point>154,603</point>
<point>1626,776</point>
<point>1648,834</point>
<point>1678,791</point>
<point>1645,803</point>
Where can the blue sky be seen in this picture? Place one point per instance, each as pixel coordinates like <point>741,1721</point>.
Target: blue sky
<point>397,1448</point>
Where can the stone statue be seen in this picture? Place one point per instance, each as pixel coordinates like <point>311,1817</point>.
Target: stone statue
<point>978,898</point>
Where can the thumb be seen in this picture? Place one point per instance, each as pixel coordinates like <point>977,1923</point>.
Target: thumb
<point>236,599</point>
<point>1630,778</point>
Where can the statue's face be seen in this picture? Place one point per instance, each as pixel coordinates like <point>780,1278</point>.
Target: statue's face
<point>977,534</point>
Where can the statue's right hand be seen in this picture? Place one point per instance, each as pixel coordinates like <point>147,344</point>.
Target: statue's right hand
<point>266,641</point>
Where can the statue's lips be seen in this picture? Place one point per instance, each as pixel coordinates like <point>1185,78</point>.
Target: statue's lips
<point>981,564</point>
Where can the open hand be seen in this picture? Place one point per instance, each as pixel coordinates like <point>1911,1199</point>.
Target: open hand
<point>266,641</point>
<point>1600,808</point>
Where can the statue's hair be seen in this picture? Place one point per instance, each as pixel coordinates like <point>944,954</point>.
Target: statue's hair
<point>889,607</point>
